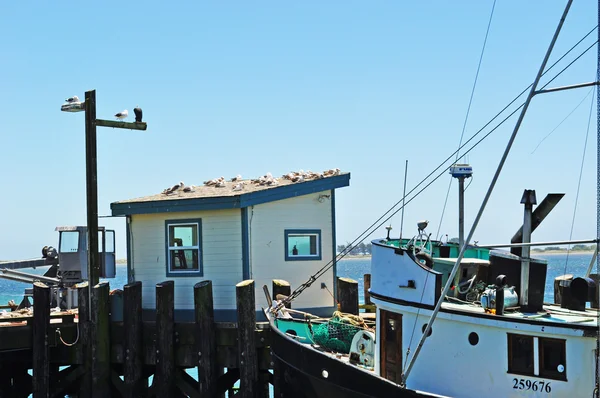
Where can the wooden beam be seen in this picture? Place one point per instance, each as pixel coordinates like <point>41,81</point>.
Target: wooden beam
<point>100,342</point>
<point>248,359</point>
<point>132,339</point>
<point>366,287</point>
<point>205,339</point>
<point>41,357</point>
<point>187,385</point>
<point>121,125</point>
<point>164,378</point>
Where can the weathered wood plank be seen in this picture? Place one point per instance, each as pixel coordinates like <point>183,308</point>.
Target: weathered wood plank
<point>41,357</point>
<point>282,289</point>
<point>246,320</point>
<point>83,301</point>
<point>100,341</point>
<point>206,345</point>
<point>165,350</point>
<point>187,385</point>
<point>122,125</point>
<point>366,287</point>
<point>347,291</point>
<point>132,339</point>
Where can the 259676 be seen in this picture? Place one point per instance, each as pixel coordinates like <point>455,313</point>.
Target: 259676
<point>532,385</point>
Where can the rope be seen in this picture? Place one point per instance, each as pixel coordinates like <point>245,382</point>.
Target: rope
<point>587,133</point>
<point>374,226</point>
<point>64,342</point>
<point>468,111</point>
<point>596,390</point>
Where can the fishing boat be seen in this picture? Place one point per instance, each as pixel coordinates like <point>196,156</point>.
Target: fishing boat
<point>453,319</point>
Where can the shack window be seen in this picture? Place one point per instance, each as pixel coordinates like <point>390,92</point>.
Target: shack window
<point>302,244</point>
<point>184,253</point>
<point>520,354</point>
<point>69,241</point>
<point>553,358</point>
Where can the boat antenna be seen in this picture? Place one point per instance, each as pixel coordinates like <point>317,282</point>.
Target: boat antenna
<point>403,198</point>
<point>530,96</point>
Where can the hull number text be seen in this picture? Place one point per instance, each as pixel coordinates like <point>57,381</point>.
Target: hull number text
<point>524,384</point>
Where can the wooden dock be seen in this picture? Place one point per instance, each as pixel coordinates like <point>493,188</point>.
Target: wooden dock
<point>78,353</point>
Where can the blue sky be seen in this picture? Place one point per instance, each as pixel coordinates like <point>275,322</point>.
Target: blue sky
<point>250,88</point>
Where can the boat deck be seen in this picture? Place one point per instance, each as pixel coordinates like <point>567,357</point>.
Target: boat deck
<point>551,314</point>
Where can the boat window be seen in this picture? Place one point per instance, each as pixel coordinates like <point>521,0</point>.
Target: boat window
<point>183,247</point>
<point>302,244</point>
<point>473,338</point>
<point>553,364</point>
<point>69,241</point>
<point>520,354</point>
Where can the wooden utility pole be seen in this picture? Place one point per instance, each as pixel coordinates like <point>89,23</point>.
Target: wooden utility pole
<point>91,184</point>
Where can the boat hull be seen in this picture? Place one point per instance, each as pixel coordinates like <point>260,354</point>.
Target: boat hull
<point>305,372</point>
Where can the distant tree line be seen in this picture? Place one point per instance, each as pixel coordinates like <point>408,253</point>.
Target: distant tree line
<point>575,248</point>
<point>356,250</point>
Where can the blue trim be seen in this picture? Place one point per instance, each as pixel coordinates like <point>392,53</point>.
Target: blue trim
<point>230,315</point>
<point>231,202</point>
<point>200,271</point>
<point>333,238</point>
<point>287,232</point>
<point>245,245</point>
<point>129,248</point>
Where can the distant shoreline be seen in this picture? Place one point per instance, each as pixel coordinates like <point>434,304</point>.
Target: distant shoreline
<point>562,252</point>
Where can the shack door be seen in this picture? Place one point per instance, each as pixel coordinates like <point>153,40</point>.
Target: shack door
<point>391,346</point>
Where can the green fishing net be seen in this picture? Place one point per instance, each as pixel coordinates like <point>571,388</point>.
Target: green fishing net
<point>336,334</point>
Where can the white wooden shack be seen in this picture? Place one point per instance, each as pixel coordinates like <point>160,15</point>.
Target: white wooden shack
<point>227,234</point>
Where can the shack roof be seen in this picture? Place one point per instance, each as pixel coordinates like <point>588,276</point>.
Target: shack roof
<point>211,197</point>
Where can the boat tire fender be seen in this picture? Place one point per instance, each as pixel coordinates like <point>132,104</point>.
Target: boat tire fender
<point>425,259</point>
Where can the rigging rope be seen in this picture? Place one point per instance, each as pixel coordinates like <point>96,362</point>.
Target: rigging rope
<point>462,134</point>
<point>385,217</point>
<point>587,133</point>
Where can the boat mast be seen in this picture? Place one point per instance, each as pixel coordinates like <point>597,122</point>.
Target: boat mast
<point>597,388</point>
<point>530,96</point>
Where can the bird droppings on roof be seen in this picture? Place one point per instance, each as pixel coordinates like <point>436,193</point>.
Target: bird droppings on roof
<point>234,186</point>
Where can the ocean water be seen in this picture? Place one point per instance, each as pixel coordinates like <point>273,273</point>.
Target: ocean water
<point>355,268</point>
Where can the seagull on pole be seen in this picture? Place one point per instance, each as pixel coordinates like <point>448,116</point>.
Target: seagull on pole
<point>122,115</point>
<point>72,99</point>
<point>138,114</point>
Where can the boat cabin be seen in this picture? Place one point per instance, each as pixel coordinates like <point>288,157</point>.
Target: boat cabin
<point>229,231</point>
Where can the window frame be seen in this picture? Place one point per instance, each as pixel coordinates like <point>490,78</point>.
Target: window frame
<point>509,349</point>
<point>538,360</point>
<point>316,232</point>
<point>187,273</point>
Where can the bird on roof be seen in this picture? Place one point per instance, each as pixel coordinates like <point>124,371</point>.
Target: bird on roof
<point>190,188</point>
<point>238,187</point>
<point>122,115</point>
<point>138,114</point>
<point>72,99</point>
<point>174,188</point>
<point>236,178</point>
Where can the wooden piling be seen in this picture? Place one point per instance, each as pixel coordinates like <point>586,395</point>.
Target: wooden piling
<point>366,287</point>
<point>206,345</point>
<point>83,319</point>
<point>132,339</point>
<point>347,291</point>
<point>246,322</point>
<point>100,342</point>
<point>41,357</point>
<point>282,288</point>
<point>558,288</point>
<point>165,350</point>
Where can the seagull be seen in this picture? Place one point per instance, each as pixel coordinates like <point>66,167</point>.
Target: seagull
<point>72,99</point>
<point>122,115</point>
<point>175,187</point>
<point>138,114</point>
<point>190,188</point>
